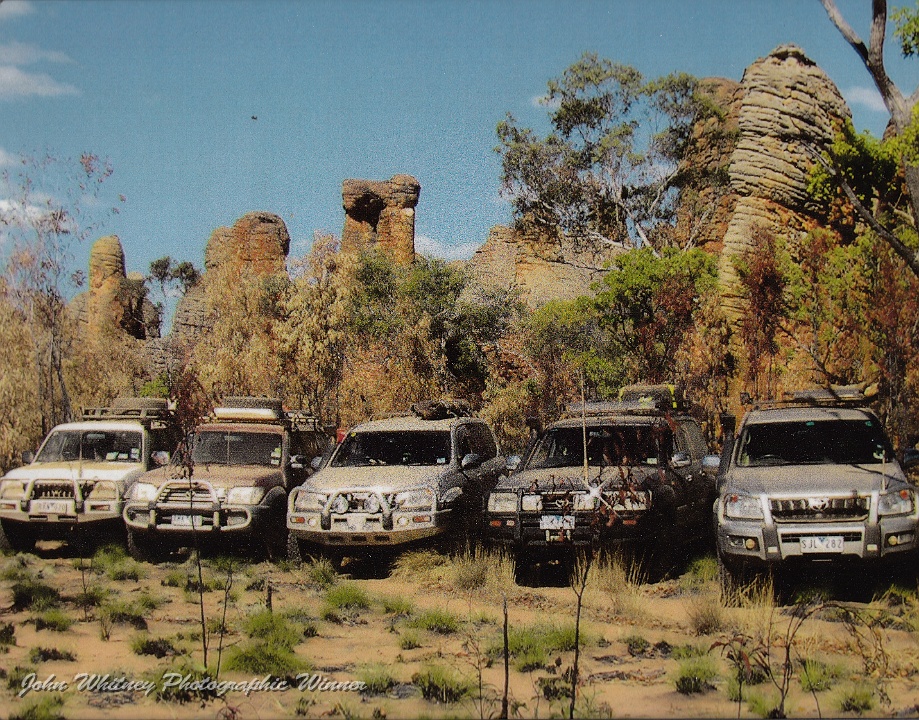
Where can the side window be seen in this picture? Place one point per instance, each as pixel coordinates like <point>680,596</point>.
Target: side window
<point>695,440</point>
<point>463,446</point>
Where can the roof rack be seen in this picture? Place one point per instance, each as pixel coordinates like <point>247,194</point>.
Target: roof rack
<point>614,407</point>
<point>664,396</point>
<point>832,395</point>
<point>441,409</point>
<point>146,411</point>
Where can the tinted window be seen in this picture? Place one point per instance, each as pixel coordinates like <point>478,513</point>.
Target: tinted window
<point>481,441</point>
<point>92,445</point>
<point>610,445</point>
<point>224,447</point>
<point>405,447</point>
<point>833,442</point>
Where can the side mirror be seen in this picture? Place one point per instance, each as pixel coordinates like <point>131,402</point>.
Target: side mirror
<point>711,464</point>
<point>680,460</point>
<point>513,463</point>
<point>160,458</point>
<point>298,462</point>
<point>27,457</point>
<point>316,463</point>
<point>470,461</point>
<point>910,458</point>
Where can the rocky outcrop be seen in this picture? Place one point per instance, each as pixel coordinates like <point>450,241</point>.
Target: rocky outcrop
<point>789,107</point>
<point>114,301</point>
<point>381,213</point>
<point>540,269</point>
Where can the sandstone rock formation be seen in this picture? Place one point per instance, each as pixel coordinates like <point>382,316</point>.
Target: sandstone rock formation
<point>114,302</point>
<point>788,106</point>
<point>381,213</point>
<point>540,269</point>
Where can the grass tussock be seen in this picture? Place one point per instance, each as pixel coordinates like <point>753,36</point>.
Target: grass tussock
<point>143,644</point>
<point>423,567</point>
<point>114,562</point>
<point>816,675</point>
<point>620,580</point>
<point>435,621</point>
<point>695,675</point>
<point>441,684</point>
<point>531,647</point>
<point>47,707</point>
<point>377,678</point>
<point>321,572</point>
<point>858,698</point>
<point>344,601</point>
<point>705,613</point>
<point>43,654</point>
<point>30,593</point>
<point>54,619</point>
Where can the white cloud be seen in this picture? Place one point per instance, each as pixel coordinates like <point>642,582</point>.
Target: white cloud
<point>867,97</point>
<point>17,83</point>
<point>7,158</point>
<point>15,8</point>
<point>17,53</point>
<point>436,248</point>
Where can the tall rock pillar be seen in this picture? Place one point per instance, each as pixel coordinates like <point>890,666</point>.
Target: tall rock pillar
<point>381,213</point>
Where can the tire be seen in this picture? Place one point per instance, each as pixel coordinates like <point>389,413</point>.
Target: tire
<point>660,549</point>
<point>144,548</point>
<point>15,541</point>
<point>526,570</point>
<point>734,580</point>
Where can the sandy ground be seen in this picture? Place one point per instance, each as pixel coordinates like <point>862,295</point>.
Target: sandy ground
<point>638,640</point>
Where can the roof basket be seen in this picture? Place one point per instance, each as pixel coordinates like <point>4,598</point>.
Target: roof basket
<point>662,396</point>
<point>613,407</point>
<point>441,409</point>
<point>146,411</point>
<point>250,409</point>
<point>859,394</point>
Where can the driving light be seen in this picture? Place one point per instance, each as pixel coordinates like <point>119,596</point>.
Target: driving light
<point>372,504</point>
<point>340,505</point>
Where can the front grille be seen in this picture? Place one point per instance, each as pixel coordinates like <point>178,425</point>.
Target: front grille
<point>42,490</point>
<point>820,509</point>
<point>183,494</point>
<point>847,536</point>
<point>562,502</point>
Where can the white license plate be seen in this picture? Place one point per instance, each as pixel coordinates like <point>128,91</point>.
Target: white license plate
<point>187,520</point>
<point>556,522</point>
<point>52,507</point>
<point>629,504</point>
<point>822,544</point>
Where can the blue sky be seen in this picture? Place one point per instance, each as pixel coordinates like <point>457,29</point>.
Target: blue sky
<point>353,89</point>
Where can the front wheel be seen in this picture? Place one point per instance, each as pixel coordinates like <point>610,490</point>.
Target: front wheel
<point>294,550</point>
<point>15,540</point>
<point>144,547</point>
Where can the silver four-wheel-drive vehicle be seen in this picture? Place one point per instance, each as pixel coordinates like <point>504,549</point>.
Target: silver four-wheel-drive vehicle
<point>229,489</point>
<point>73,489</point>
<point>642,486</point>
<point>811,479</point>
<point>396,481</point>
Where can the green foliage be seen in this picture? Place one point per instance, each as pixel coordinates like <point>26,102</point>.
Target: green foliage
<point>398,606</point>
<point>114,562</point>
<point>321,572</point>
<point>531,646</point>
<point>47,707</point>
<point>124,612</point>
<point>597,175</point>
<point>143,644</point>
<point>817,675</point>
<point>53,619</point>
<point>906,29</point>
<point>30,593</point>
<point>274,629</point>
<point>347,596</point>
<point>43,654</point>
<point>377,678</point>
<point>858,698</point>
<point>636,644</point>
<point>436,621</point>
<point>262,658</point>
<point>7,634</point>
<point>695,675</point>
<point>441,684</point>
<point>409,640</point>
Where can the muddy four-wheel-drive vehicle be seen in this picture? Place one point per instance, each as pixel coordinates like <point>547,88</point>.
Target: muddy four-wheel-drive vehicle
<point>812,479</point>
<point>74,487</point>
<point>229,489</point>
<point>397,481</point>
<point>642,488</point>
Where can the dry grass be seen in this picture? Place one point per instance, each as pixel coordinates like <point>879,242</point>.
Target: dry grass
<point>620,582</point>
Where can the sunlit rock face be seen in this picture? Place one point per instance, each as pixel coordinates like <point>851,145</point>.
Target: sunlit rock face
<point>381,213</point>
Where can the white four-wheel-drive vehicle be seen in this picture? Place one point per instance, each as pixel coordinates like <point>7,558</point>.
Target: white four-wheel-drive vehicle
<point>396,481</point>
<point>73,489</point>
<point>230,487</point>
<point>813,479</point>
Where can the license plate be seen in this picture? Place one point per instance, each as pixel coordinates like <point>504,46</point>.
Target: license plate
<point>187,520</point>
<point>556,522</point>
<point>52,507</point>
<point>822,544</point>
<point>630,504</point>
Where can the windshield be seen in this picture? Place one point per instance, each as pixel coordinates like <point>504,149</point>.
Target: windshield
<point>224,447</point>
<point>413,447</point>
<point>809,442</point>
<point>610,445</point>
<point>92,445</point>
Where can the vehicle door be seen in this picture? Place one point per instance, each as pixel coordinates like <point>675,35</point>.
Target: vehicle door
<point>700,488</point>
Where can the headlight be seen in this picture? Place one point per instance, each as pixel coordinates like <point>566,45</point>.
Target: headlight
<point>143,492</point>
<point>531,503</point>
<point>310,501</point>
<point>245,495</point>
<point>744,507</point>
<point>502,502</point>
<point>103,490</point>
<point>899,502</point>
<point>421,499</point>
<point>13,489</point>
